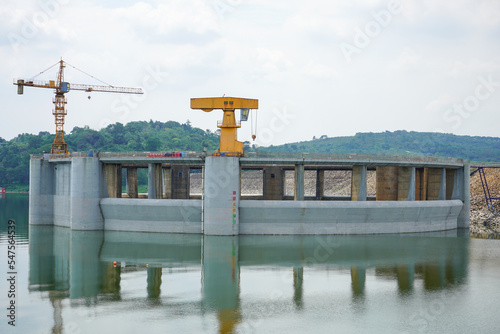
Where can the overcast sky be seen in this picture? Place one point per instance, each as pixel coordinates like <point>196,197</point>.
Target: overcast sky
<point>318,67</point>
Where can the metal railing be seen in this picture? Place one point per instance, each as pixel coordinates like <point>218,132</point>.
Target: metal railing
<point>237,124</point>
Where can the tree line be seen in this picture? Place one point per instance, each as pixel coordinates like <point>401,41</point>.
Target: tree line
<point>134,136</point>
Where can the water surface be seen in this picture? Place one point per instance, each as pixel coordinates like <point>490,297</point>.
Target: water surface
<point>112,282</point>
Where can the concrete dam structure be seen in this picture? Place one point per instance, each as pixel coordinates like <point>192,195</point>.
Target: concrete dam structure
<point>84,192</point>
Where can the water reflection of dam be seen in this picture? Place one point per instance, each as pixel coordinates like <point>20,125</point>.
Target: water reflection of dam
<point>80,264</point>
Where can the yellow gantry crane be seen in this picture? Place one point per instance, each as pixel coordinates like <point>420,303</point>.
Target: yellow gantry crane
<point>62,87</point>
<point>229,145</point>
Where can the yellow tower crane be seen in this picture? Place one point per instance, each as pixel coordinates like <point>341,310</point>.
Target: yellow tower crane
<point>62,87</point>
<point>229,145</point>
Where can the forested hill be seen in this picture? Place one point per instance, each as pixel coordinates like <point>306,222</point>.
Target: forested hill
<point>173,136</point>
<point>134,136</point>
<point>477,149</point>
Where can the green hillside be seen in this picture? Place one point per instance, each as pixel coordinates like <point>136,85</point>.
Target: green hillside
<point>477,149</point>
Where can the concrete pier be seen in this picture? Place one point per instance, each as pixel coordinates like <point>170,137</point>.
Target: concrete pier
<point>358,183</point>
<point>221,196</point>
<point>299,183</point>
<point>155,181</point>
<point>41,206</point>
<point>87,189</point>
<point>113,173</point>
<point>132,183</point>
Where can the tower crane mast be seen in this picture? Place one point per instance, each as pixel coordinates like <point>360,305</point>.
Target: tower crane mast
<point>62,87</point>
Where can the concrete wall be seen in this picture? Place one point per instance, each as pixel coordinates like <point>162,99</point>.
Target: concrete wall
<point>221,196</point>
<point>62,195</point>
<point>87,189</point>
<point>387,183</point>
<point>41,206</point>
<point>273,178</point>
<point>353,217</point>
<point>286,217</point>
<point>152,215</point>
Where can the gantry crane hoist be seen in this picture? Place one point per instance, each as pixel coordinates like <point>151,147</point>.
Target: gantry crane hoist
<point>62,87</point>
<point>229,145</point>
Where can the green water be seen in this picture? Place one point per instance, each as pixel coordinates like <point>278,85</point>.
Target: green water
<point>67,282</point>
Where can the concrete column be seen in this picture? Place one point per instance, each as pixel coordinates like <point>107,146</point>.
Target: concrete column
<point>358,183</point>
<point>221,280</point>
<point>299,183</point>
<point>421,184</point>
<point>62,194</point>
<point>320,184</point>
<point>273,178</point>
<point>132,182</point>
<point>463,220</point>
<point>387,183</point>
<point>179,180</point>
<point>113,174</point>
<point>442,186</point>
<point>87,189</point>
<point>450,181</point>
<point>41,196</point>
<point>155,181</point>
<point>411,187</point>
<point>406,183</point>
<point>458,184</point>
<point>221,198</point>
<point>167,182</point>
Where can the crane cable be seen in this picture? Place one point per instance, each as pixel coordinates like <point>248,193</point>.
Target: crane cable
<point>75,69</point>
<point>33,77</point>
<point>253,126</point>
<point>89,75</point>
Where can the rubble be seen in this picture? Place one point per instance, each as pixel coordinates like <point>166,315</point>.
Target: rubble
<point>483,221</point>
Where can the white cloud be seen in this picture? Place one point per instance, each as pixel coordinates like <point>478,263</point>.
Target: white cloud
<point>271,50</point>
